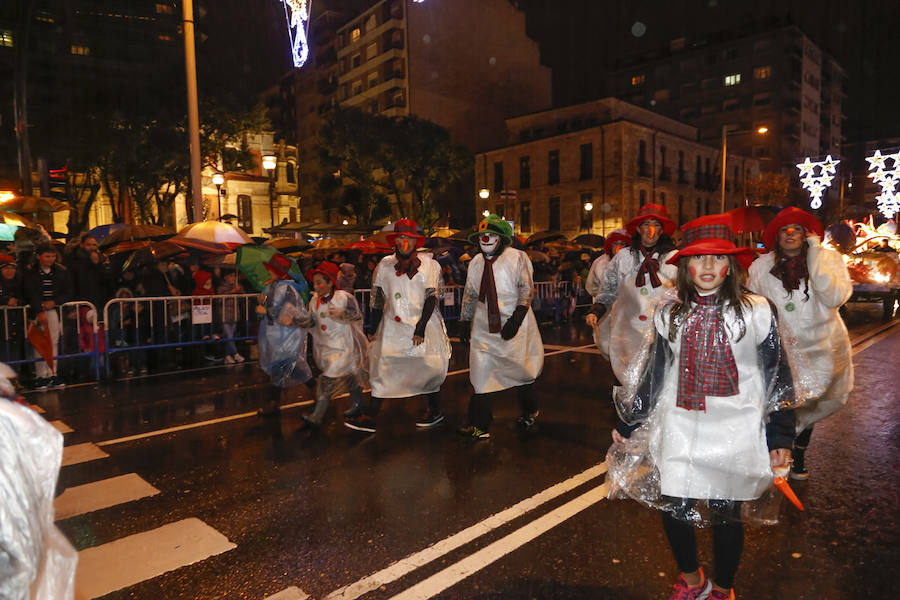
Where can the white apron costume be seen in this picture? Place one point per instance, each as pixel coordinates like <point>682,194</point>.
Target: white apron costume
<point>399,369</point>
<point>340,348</point>
<point>593,285</point>
<point>631,314</point>
<point>812,330</point>
<point>496,364</point>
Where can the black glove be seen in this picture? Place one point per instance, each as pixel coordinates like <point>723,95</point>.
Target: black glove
<point>597,309</point>
<point>511,327</point>
<point>465,330</point>
<point>375,320</point>
<point>427,309</point>
<point>626,430</point>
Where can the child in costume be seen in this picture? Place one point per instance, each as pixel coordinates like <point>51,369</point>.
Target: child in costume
<point>340,348</point>
<point>410,351</point>
<point>282,340</point>
<point>506,350</point>
<point>617,240</point>
<point>709,397</point>
<point>808,283</point>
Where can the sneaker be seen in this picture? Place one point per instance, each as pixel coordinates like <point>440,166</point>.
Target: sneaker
<point>798,465</point>
<point>470,431</point>
<point>799,473</point>
<point>353,412</point>
<point>682,591</point>
<point>229,360</point>
<point>238,358</point>
<point>41,383</point>
<point>55,383</point>
<point>526,422</point>
<point>429,420</point>
<point>717,595</point>
<point>363,423</point>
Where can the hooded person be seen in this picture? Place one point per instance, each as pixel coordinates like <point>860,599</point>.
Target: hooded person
<point>633,284</point>
<point>808,283</point>
<point>506,350</point>
<point>340,348</point>
<point>410,351</point>
<point>282,340</point>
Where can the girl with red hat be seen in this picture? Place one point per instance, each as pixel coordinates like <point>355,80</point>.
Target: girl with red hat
<point>633,284</point>
<point>706,407</point>
<point>410,350</point>
<point>808,284</point>
<point>340,348</point>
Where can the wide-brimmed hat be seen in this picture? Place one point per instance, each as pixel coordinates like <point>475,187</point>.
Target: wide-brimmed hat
<point>790,216</point>
<point>492,224</point>
<point>6,259</point>
<point>617,236</point>
<point>656,212</point>
<point>406,227</point>
<point>711,234</point>
<point>279,266</point>
<point>326,269</point>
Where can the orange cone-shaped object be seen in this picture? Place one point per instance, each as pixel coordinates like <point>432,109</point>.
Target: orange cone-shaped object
<point>782,485</point>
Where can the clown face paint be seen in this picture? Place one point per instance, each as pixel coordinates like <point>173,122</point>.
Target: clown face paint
<point>650,230</point>
<point>708,271</point>
<point>322,285</point>
<point>616,247</point>
<point>405,245</point>
<point>790,239</point>
<point>489,242</point>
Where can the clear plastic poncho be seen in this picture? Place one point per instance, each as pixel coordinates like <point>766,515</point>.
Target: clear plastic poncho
<point>282,348</point>
<point>710,464</point>
<point>340,348</point>
<point>36,561</point>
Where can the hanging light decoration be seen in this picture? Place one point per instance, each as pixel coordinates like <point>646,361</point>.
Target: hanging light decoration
<point>817,184</point>
<point>886,177</point>
<point>296,14</point>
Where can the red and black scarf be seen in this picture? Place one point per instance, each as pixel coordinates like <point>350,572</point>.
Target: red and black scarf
<point>707,366</point>
<point>791,270</point>
<point>649,267</point>
<point>487,293</point>
<point>408,266</point>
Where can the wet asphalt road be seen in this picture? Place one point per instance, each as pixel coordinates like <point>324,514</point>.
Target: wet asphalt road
<point>323,510</point>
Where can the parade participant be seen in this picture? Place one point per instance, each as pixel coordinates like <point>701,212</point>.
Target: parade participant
<point>506,350</point>
<point>340,348</point>
<point>710,398</point>
<point>617,240</point>
<point>282,341</point>
<point>410,350</point>
<point>633,284</point>
<point>808,283</point>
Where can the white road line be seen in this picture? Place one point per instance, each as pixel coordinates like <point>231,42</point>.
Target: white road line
<point>291,593</point>
<point>101,494</point>
<point>147,434</point>
<point>80,453</point>
<point>414,561</point>
<point>145,555</point>
<point>475,562</point>
<point>61,427</point>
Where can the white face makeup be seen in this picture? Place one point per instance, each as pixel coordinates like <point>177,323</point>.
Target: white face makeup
<point>488,242</point>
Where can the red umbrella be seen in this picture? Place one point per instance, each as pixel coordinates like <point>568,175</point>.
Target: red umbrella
<point>40,338</point>
<point>745,219</point>
<point>368,247</point>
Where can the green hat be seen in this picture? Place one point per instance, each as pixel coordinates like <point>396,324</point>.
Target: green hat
<point>493,224</point>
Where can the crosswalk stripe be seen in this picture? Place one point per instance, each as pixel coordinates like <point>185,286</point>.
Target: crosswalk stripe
<point>61,427</point>
<point>102,494</point>
<point>80,453</point>
<point>136,558</point>
<point>291,593</point>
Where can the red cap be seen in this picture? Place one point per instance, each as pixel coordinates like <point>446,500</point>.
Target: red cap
<point>790,216</point>
<point>619,235</point>
<point>655,212</point>
<point>327,269</point>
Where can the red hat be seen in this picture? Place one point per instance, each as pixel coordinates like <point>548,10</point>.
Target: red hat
<point>6,259</point>
<point>711,235</point>
<point>619,235</point>
<point>278,265</point>
<point>790,216</point>
<point>406,227</point>
<point>656,212</point>
<point>327,269</point>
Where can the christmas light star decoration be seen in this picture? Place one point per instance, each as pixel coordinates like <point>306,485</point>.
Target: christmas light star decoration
<point>817,184</point>
<point>887,178</point>
<point>296,14</point>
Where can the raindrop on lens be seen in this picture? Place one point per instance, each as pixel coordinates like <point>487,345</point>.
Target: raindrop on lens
<point>638,29</point>
<point>426,38</point>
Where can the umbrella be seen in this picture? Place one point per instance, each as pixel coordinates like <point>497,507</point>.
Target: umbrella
<point>35,205</point>
<point>444,233</point>
<point>215,231</point>
<point>151,253</point>
<point>131,233</point>
<point>746,219</point>
<point>11,218</point>
<point>442,242</point>
<point>537,256</point>
<point>591,240</point>
<point>8,232</point>
<point>368,247</point>
<point>101,232</point>
<point>201,245</point>
<point>462,236</point>
<point>250,259</point>
<point>327,244</point>
<point>287,244</point>
<point>543,236</point>
<point>562,246</point>
<point>40,339</point>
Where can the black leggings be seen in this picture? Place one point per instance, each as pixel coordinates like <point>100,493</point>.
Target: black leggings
<point>727,534</point>
<point>481,409</point>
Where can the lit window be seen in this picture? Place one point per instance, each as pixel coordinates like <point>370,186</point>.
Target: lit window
<point>638,79</point>
<point>354,34</point>
<point>165,9</point>
<point>733,79</point>
<point>762,72</point>
<point>164,37</point>
<point>80,50</point>
<point>6,38</point>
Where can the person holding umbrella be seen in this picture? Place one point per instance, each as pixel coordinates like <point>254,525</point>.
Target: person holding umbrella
<point>410,350</point>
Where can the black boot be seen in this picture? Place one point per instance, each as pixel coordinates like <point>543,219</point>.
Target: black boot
<point>798,466</point>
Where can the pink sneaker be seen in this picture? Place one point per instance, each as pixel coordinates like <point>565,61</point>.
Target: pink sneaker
<point>682,591</point>
<point>717,595</point>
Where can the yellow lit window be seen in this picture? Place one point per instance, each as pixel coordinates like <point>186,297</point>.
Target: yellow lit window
<point>165,9</point>
<point>762,72</point>
<point>80,50</point>
<point>354,34</point>
<point>638,79</point>
<point>733,79</point>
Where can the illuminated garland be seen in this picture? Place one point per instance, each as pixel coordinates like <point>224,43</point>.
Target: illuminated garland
<point>817,184</point>
<point>298,28</point>
<point>889,198</point>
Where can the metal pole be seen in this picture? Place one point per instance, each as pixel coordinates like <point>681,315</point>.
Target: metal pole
<point>724,158</point>
<point>190,67</point>
<point>272,196</point>
<point>20,96</point>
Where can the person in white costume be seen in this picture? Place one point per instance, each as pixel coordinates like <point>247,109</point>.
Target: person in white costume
<point>340,348</point>
<point>710,398</point>
<point>506,350</point>
<point>634,282</point>
<point>410,351</point>
<point>617,240</point>
<point>808,283</point>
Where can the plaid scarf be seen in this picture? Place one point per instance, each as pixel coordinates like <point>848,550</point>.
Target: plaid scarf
<point>487,293</point>
<point>791,270</point>
<point>707,366</point>
<point>650,267</point>
<point>408,266</point>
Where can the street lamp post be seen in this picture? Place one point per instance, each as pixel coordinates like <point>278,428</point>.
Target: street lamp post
<point>762,130</point>
<point>588,207</point>
<point>218,179</point>
<point>269,164</point>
